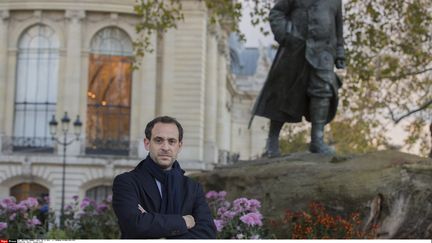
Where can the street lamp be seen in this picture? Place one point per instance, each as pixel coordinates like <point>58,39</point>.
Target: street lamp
<point>65,128</point>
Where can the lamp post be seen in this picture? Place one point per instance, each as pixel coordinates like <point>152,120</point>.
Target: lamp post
<point>65,129</point>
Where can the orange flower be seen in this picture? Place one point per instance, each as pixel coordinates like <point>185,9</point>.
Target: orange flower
<point>316,223</point>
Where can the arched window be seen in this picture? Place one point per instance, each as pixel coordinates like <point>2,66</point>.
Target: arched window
<point>24,190</point>
<point>109,93</point>
<point>99,193</point>
<point>36,88</point>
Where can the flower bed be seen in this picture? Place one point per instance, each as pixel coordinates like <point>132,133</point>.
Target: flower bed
<point>239,219</point>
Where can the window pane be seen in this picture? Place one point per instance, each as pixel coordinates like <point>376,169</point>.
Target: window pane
<point>99,193</point>
<point>113,42</point>
<point>24,190</point>
<point>36,88</point>
<point>109,93</point>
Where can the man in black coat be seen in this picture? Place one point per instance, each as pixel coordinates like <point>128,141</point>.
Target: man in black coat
<point>155,200</point>
<point>302,81</point>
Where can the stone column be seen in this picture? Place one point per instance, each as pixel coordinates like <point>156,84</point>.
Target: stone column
<point>210,119</point>
<point>145,94</point>
<point>70,91</point>
<point>183,81</point>
<point>4,16</point>
<point>166,78</point>
<point>222,138</point>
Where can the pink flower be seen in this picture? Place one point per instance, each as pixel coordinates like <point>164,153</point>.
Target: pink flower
<point>75,197</point>
<point>254,205</point>
<point>85,202</point>
<point>222,194</point>
<point>252,219</point>
<point>13,208</point>
<point>8,203</point>
<point>3,226</point>
<point>31,223</point>
<point>101,208</point>
<point>109,198</point>
<point>22,206</point>
<point>12,217</point>
<point>217,196</point>
<point>212,195</point>
<point>31,202</point>
<point>221,211</point>
<point>241,204</point>
<point>219,224</point>
<point>228,215</point>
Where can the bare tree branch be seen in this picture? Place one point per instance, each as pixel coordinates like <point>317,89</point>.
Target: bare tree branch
<point>423,107</point>
<point>404,75</point>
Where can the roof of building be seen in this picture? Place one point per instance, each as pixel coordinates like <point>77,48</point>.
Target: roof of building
<point>244,61</point>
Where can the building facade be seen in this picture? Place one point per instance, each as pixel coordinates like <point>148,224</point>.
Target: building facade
<point>76,57</point>
<point>249,68</point>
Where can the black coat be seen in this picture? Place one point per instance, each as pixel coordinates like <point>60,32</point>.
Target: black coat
<point>139,187</point>
<point>310,36</point>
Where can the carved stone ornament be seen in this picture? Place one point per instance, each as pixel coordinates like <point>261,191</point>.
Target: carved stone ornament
<point>75,15</point>
<point>4,15</point>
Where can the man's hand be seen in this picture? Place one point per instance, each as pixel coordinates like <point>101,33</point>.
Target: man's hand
<point>189,220</point>
<point>340,63</point>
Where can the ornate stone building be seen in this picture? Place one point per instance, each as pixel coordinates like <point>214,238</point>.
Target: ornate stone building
<point>75,57</point>
<point>249,69</point>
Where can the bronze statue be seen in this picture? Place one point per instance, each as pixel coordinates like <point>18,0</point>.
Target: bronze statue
<point>302,81</point>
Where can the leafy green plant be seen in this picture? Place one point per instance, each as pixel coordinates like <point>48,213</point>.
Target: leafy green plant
<point>90,220</point>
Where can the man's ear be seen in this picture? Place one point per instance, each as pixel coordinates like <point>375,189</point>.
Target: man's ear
<point>180,146</point>
<point>146,144</point>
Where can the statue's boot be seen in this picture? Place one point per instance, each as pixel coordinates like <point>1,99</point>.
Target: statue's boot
<point>272,146</point>
<point>319,109</point>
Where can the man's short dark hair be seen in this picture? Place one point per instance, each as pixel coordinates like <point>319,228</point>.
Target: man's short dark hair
<point>163,119</point>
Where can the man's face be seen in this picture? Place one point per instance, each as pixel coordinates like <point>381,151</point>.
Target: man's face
<point>164,144</point>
